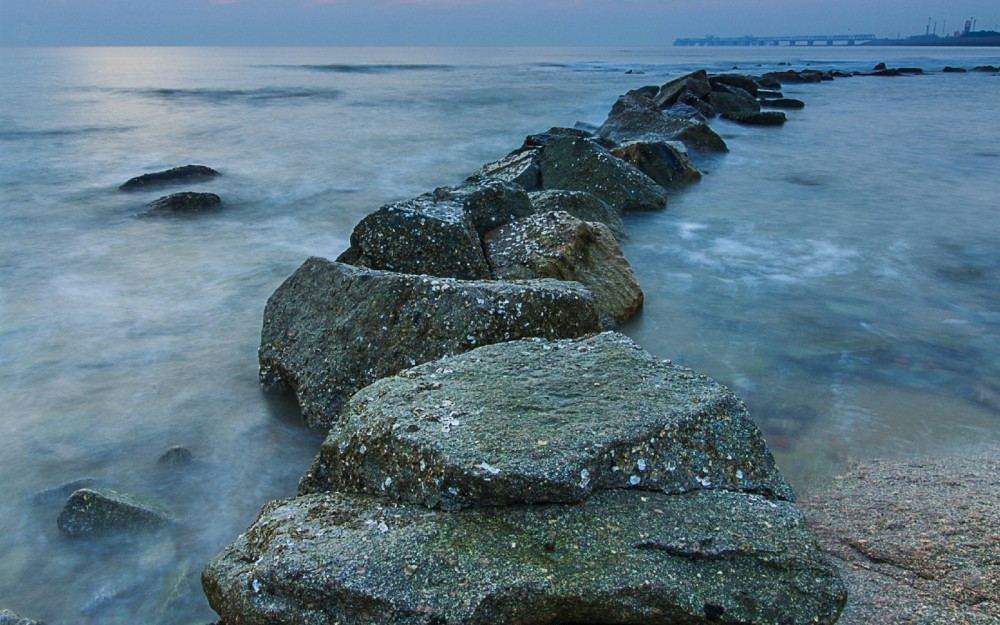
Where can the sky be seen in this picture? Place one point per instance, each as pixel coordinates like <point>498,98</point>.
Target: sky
<point>624,23</point>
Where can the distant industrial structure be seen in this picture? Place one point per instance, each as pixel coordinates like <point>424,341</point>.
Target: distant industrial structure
<point>967,37</point>
<point>807,40</point>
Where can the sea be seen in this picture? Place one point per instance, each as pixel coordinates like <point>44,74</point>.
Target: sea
<point>841,274</point>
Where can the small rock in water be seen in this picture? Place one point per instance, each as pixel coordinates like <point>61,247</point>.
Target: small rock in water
<point>90,511</point>
<point>186,202</point>
<point>175,457</point>
<point>769,118</point>
<point>185,174</point>
<point>783,103</point>
<point>60,492</point>
<point>954,70</point>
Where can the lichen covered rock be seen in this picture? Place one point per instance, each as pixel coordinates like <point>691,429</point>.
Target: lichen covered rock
<point>635,117</point>
<point>538,421</point>
<point>622,557</point>
<point>581,205</point>
<point>559,246</point>
<point>666,163</point>
<point>332,329</point>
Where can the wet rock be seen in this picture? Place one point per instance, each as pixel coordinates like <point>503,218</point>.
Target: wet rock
<point>696,84</point>
<point>634,117</point>
<point>175,457</point>
<point>331,329</point>
<point>184,203</point>
<point>665,162</point>
<point>62,491</point>
<point>769,95</point>
<point>886,72</point>
<point>733,100</point>
<point>911,70</point>
<point>986,68</point>
<point>768,82</point>
<point>783,103</point>
<point>622,557</point>
<point>954,70</point>
<point>575,165</point>
<point>881,66</point>
<point>581,205</point>
<point>791,77</point>
<point>520,167</point>
<point>177,175</point>
<point>437,233</point>
<point>684,111</point>
<point>558,245</point>
<point>536,421</point>
<point>91,511</point>
<point>740,81</point>
<point>916,540</point>
<point>649,91</point>
<point>769,118</point>
<point>8,617</point>
<point>543,139</point>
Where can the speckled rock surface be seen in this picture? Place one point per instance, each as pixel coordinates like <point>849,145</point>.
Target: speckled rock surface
<point>622,557</point>
<point>185,203</point>
<point>332,329</point>
<point>489,203</point>
<point>732,100</point>
<point>666,163</point>
<point>767,118</point>
<point>916,541</point>
<point>520,167</point>
<point>580,165</point>
<point>635,117</point>
<point>177,175</point>
<point>539,421</point>
<point>558,245</point>
<point>92,510</point>
<point>581,205</point>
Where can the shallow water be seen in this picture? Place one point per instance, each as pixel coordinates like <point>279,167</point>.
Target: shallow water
<point>840,273</point>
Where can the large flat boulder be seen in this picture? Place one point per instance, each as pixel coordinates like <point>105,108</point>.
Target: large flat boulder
<point>558,245</point>
<point>622,557</point>
<point>580,204</point>
<point>663,161</point>
<point>635,117</point>
<point>331,329</point>
<point>437,233</point>
<point>537,421</point>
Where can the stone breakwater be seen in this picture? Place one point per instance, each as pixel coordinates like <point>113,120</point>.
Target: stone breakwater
<point>496,452</point>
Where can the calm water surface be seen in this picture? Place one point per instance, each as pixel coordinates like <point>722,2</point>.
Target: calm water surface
<point>840,273</point>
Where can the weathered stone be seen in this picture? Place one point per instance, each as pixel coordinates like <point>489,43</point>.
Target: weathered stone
<point>886,72</point>
<point>558,245</point>
<point>183,203</point>
<point>535,421</point>
<point>581,205</point>
<point>175,457</point>
<point>769,95</point>
<point>489,203</point>
<point>543,139</point>
<point>683,111</point>
<point>704,107</point>
<point>986,68</point>
<point>746,83</point>
<point>768,82</point>
<point>649,91</point>
<point>621,557</point>
<point>177,175</point>
<point>666,163</point>
<point>783,103</point>
<point>332,329</point>
<point>7,617</point>
<point>580,165</point>
<point>90,511</point>
<point>954,70</point>
<point>879,67</point>
<point>733,100</point>
<point>769,118</point>
<point>59,493</point>
<point>696,83</point>
<point>419,236</point>
<point>634,117</point>
<point>519,167</point>
<point>792,77</point>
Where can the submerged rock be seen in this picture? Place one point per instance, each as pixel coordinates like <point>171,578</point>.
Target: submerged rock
<point>783,103</point>
<point>175,457</point>
<point>581,205</point>
<point>634,117</point>
<point>769,118</point>
<point>184,203</point>
<point>534,421</point>
<point>986,68</point>
<point>7,617</point>
<point>621,557</point>
<point>59,493</point>
<point>559,246</point>
<point>437,233</point>
<point>177,175</point>
<point>954,70</point>
<point>331,329</point>
<point>727,99</point>
<point>664,162</point>
<point>91,510</point>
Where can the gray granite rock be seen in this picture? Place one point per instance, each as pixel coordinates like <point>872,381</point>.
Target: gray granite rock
<point>581,205</point>
<point>331,329</point>
<point>620,557</point>
<point>185,203</point>
<point>558,245</point>
<point>665,162</point>
<point>537,421</point>
<point>177,175</point>
<point>92,510</point>
<point>634,117</point>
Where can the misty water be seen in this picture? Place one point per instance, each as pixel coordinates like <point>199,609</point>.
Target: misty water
<point>840,273</point>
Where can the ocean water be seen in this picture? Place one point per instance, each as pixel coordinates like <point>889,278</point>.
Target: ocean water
<point>841,273</point>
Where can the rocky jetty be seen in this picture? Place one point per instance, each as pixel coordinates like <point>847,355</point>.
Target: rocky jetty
<point>92,510</point>
<point>331,329</point>
<point>177,175</point>
<point>636,117</point>
<point>667,163</point>
<point>184,203</point>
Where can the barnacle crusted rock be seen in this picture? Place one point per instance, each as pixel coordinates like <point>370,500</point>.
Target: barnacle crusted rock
<point>621,557</point>
<point>538,421</point>
<point>331,329</point>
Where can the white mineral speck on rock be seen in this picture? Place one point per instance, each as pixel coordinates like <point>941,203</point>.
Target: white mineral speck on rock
<point>739,475</point>
<point>642,465</point>
<point>634,480</point>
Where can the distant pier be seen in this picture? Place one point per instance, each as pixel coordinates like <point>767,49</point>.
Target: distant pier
<point>806,40</point>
